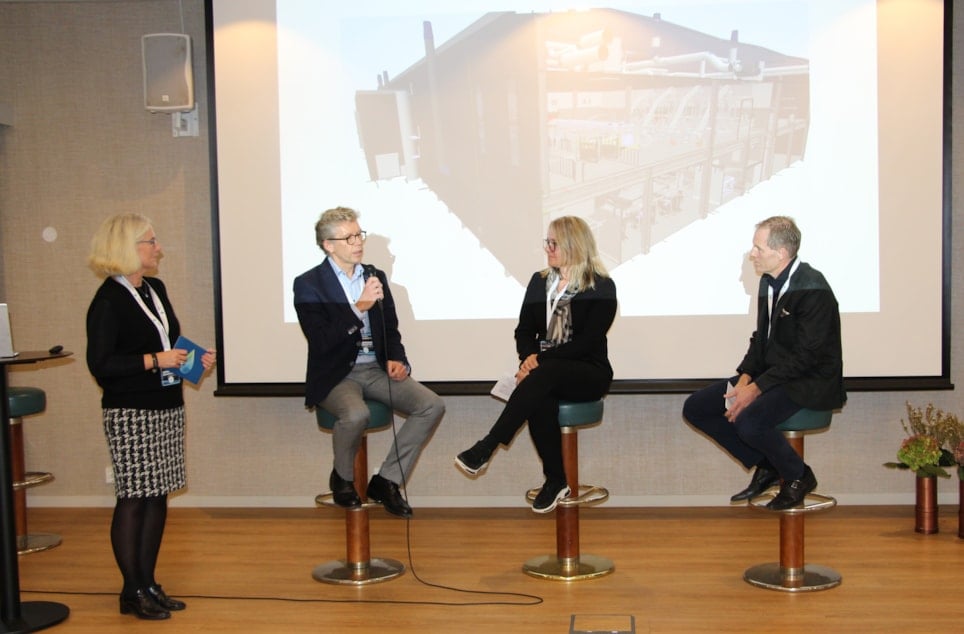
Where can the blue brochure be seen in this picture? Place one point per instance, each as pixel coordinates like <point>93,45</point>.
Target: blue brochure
<point>191,369</point>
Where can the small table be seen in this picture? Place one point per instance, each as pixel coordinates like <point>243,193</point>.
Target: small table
<point>17,616</point>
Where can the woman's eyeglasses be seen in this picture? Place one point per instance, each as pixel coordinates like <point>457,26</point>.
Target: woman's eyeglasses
<point>550,245</point>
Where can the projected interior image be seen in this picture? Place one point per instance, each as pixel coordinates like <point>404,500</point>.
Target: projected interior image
<point>636,124</point>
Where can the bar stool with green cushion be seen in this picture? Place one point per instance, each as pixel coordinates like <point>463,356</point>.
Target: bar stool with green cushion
<point>790,574</point>
<point>568,564</point>
<point>24,401</point>
<point>358,568</point>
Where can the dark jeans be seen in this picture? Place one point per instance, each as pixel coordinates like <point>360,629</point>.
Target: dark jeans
<point>536,399</point>
<point>753,436</point>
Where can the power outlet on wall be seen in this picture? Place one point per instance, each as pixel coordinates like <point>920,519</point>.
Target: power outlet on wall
<point>108,475</point>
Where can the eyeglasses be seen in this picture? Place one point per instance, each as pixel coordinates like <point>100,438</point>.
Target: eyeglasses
<point>550,245</point>
<point>152,242</point>
<point>354,238</point>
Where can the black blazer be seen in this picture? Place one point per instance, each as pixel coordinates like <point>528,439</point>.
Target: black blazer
<point>803,352</point>
<point>333,330</point>
<point>593,312</point>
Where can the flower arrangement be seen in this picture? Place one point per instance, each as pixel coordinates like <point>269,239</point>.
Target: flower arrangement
<point>935,439</point>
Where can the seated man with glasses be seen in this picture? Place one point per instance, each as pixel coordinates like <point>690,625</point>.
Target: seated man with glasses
<point>355,352</point>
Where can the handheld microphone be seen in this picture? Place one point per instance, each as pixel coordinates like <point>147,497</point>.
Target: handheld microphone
<point>368,271</point>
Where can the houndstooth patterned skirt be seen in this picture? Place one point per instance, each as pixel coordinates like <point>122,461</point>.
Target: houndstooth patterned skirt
<point>147,450</point>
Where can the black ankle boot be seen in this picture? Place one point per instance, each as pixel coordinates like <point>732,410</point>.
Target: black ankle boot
<point>160,597</point>
<point>141,605</point>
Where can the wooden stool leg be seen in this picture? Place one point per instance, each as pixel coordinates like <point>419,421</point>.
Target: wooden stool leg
<point>358,568</point>
<point>18,472</point>
<point>792,534</point>
<point>567,517</point>
<point>357,536</point>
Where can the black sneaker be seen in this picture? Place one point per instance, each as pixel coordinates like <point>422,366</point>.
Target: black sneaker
<point>475,459</point>
<point>549,496</point>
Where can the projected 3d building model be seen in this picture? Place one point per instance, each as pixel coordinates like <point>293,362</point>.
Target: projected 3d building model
<point>638,125</point>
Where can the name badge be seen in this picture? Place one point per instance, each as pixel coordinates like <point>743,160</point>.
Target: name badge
<point>169,378</point>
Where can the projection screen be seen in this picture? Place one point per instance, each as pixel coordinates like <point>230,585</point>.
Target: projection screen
<point>459,130</point>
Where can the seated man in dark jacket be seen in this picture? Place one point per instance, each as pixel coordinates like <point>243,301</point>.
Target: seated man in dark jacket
<point>794,361</point>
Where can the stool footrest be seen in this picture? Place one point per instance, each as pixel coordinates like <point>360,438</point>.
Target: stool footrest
<point>588,494</point>
<point>327,499</point>
<point>32,479</point>
<point>36,542</point>
<point>812,503</point>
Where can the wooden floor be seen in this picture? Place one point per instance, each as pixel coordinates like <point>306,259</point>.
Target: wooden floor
<point>677,570</point>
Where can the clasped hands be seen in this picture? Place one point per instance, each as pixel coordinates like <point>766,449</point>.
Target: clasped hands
<point>740,396</point>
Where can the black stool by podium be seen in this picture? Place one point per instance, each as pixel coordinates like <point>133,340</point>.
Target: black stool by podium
<point>24,401</point>
<point>359,567</point>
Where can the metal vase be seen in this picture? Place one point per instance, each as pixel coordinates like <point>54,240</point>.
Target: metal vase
<point>926,507</point>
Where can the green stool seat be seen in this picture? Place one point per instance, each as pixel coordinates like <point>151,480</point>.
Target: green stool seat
<point>23,401</point>
<point>806,420</point>
<point>568,563</point>
<point>358,567</point>
<point>380,416</point>
<point>572,414</point>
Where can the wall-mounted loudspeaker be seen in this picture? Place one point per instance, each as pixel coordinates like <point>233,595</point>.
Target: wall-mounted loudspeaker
<point>168,78</point>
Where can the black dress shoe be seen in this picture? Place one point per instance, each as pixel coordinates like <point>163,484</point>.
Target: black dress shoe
<point>160,597</point>
<point>763,478</point>
<point>386,493</point>
<point>793,493</point>
<point>343,491</point>
<point>143,606</point>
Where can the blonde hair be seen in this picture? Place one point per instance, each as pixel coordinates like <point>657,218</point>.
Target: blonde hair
<point>578,246</point>
<point>325,227</point>
<point>113,249</point>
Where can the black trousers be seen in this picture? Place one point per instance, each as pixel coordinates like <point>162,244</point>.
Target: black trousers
<point>753,436</point>
<point>536,400</point>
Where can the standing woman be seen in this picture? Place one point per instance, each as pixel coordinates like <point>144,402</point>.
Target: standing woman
<point>561,341</point>
<point>130,329</point>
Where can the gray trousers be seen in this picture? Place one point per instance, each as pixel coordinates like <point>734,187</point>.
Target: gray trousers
<point>422,408</point>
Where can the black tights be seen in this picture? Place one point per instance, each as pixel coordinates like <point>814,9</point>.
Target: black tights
<point>135,535</point>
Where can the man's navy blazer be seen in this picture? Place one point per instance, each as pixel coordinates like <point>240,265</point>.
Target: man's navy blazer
<point>803,352</point>
<point>333,330</point>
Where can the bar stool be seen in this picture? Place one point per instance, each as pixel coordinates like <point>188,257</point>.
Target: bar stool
<point>568,564</point>
<point>358,568</point>
<point>790,574</point>
<point>24,401</point>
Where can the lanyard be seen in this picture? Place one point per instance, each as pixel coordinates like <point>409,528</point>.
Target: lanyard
<point>771,301</point>
<point>550,303</point>
<point>162,325</point>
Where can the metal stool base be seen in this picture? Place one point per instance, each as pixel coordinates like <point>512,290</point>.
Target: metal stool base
<point>551,567</point>
<point>36,542</point>
<point>340,572</point>
<point>774,577</point>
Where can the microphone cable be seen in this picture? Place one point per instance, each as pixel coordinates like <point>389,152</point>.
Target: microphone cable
<point>528,599</point>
